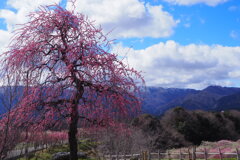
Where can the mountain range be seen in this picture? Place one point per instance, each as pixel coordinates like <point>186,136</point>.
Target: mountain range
<point>158,100</point>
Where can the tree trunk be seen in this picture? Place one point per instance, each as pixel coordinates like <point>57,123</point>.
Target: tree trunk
<point>72,134</point>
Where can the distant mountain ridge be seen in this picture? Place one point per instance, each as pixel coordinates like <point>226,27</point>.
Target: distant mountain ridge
<point>229,102</point>
<point>9,96</point>
<point>157,100</point>
<point>213,98</point>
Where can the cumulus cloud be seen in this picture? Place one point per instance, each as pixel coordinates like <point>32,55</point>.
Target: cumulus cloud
<point>128,18</point>
<point>192,66</point>
<point>21,9</point>
<point>192,2</point>
<point>4,39</point>
<point>30,5</point>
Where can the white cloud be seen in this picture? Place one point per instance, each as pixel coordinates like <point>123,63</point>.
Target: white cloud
<point>173,65</point>
<point>30,5</point>
<point>193,2</point>
<point>4,39</point>
<point>11,18</point>
<point>128,18</point>
<point>23,8</point>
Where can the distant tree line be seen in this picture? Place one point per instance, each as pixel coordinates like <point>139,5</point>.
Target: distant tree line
<point>177,128</point>
<point>180,128</point>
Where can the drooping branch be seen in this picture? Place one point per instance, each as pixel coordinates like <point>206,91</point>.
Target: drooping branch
<point>70,75</point>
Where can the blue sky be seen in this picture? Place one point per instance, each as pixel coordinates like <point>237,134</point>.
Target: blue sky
<point>201,24</point>
<point>175,43</point>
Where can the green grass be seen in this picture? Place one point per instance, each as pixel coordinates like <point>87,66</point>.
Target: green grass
<point>46,154</point>
<point>87,145</point>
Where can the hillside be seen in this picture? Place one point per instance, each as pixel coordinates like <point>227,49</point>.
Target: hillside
<point>157,100</point>
<point>213,98</point>
<point>228,102</point>
<point>157,97</point>
<point>179,127</point>
<point>9,96</point>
